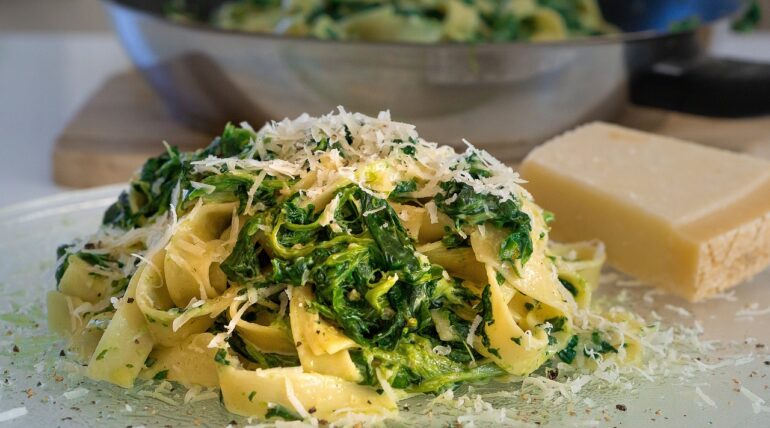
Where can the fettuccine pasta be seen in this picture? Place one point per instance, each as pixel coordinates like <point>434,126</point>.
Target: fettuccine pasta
<point>327,266</point>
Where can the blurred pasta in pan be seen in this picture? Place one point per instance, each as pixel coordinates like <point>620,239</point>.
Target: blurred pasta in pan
<point>415,21</point>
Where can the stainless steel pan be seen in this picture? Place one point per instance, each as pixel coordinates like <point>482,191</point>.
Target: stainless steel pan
<point>502,96</point>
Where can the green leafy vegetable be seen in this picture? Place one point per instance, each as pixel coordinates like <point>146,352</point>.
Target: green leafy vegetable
<point>401,192</point>
<point>568,353</point>
<point>468,207</point>
<point>569,286</point>
<point>281,412</point>
<point>487,319</point>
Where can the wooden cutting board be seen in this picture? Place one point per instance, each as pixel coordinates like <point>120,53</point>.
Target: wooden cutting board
<point>117,129</point>
<point>124,123</point>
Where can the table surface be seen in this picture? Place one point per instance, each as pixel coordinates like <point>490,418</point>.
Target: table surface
<point>46,77</point>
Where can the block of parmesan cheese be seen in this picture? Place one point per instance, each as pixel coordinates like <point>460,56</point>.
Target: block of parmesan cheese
<point>692,219</point>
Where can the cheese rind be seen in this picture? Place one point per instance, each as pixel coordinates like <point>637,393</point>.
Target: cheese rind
<point>692,219</point>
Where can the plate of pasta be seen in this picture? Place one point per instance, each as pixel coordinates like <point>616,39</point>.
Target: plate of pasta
<point>333,270</point>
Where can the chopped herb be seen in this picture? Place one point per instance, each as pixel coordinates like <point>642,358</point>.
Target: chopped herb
<point>402,190</point>
<point>557,323</point>
<point>102,354</point>
<point>453,239</point>
<point>568,353</point>
<point>281,412</point>
<point>221,357</point>
<point>548,217</point>
<point>161,375</point>
<point>500,278</point>
<point>601,346</point>
<point>569,286</point>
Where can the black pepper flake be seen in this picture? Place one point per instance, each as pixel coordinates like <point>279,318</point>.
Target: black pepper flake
<point>311,410</point>
<point>233,422</point>
<point>15,348</point>
<point>767,363</point>
<point>130,300</point>
<point>621,407</point>
<point>323,422</point>
<point>552,374</point>
<point>298,344</point>
<point>62,353</point>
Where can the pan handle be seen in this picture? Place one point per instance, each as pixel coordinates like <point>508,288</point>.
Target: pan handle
<point>705,86</point>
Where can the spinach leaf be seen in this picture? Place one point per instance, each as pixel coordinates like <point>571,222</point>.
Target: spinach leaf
<point>402,190</point>
<point>233,142</point>
<point>568,353</point>
<point>243,265</point>
<point>569,286</point>
<point>487,319</point>
<point>281,412</point>
<point>263,359</point>
<point>151,193</point>
<point>417,368</point>
<point>468,207</point>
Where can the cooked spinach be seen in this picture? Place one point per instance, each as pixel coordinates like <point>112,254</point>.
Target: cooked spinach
<point>598,344</point>
<point>569,286</point>
<point>568,353</point>
<point>487,319</point>
<point>281,412</point>
<point>151,193</point>
<point>465,206</point>
<point>402,190</point>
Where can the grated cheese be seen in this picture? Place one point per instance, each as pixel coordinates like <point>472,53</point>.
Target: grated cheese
<point>432,212</point>
<point>158,396</point>
<point>386,388</point>
<point>442,350</point>
<point>75,393</point>
<point>678,310</point>
<point>373,210</point>
<point>295,402</point>
<point>13,414</point>
<point>706,399</point>
<point>757,403</point>
<point>752,311</point>
<point>472,332</point>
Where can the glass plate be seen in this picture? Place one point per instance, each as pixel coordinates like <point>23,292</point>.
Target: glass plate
<point>35,377</point>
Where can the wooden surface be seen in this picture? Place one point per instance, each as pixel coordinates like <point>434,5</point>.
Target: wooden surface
<point>124,123</point>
